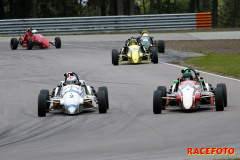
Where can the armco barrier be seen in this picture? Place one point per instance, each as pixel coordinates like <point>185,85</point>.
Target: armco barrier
<point>183,21</point>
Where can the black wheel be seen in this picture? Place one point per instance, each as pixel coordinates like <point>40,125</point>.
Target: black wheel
<point>219,102</point>
<point>138,40</point>
<point>224,92</point>
<point>115,57</point>
<point>154,55</point>
<point>157,102</point>
<point>29,44</point>
<point>43,105</point>
<point>102,107</point>
<point>58,42</point>
<point>14,43</point>
<point>163,90</point>
<point>161,46</point>
<point>106,94</point>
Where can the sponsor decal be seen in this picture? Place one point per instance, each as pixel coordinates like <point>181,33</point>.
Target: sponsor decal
<point>210,151</point>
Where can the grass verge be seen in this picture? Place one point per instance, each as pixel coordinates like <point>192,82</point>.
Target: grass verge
<point>222,64</point>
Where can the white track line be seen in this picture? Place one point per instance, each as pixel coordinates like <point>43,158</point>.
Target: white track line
<point>203,72</point>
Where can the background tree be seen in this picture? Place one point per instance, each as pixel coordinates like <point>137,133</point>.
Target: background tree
<point>225,13</point>
<point>151,6</point>
<point>215,13</point>
<point>131,7</point>
<point>191,6</point>
<point>120,7</point>
<point>229,15</point>
<point>35,8</point>
<point>112,7</point>
<point>1,9</point>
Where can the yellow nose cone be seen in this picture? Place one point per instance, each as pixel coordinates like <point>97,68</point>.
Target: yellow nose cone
<point>135,57</point>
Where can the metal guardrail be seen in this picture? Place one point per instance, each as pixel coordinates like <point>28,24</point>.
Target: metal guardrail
<point>183,21</point>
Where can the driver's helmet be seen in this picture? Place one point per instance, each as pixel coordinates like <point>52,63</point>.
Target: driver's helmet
<point>34,31</point>
<point>187,76</point>
<point>133,42</point>
<point>187,70</point>
<point>145,35</point>
<point>71,79</point>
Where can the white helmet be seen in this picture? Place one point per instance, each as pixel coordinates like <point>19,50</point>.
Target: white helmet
<point>34,31</point>
<point>145,35</point>
<point>71,79</point>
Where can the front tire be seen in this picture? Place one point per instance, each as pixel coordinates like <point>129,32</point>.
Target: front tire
<point>154,55</point>
<point>106,94</point>
<point>161,46</point>
<point>102,107</point>
<point>14,43</point>
<point>157,102</point>
<point>163,90</point>
<point>224,92</point>
<point>43,105</point>
<point>115,57</point>
<point>219,102</point>
<point>29,44</point>
<point>58,42</point>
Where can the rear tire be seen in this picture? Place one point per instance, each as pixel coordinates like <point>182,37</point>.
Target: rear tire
<point>29,44</point>
<point>106,94</point>
<point>157,102</point>
<point>154,55</point>
<point>58,42</point>
<point>102,107</point>
<point>224,92</point>
<point>115,57</point>
<point>14,43</point>
<point>161,46</point>
<point>163,90</point>
<point>43,105</point>
<point>219,102</point>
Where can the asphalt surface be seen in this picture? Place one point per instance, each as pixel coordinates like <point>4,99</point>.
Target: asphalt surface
<point>129,130</point>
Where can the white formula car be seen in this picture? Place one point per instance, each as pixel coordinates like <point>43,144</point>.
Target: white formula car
<point>72,97</point>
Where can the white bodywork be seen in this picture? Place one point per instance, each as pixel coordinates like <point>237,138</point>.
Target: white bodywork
<point>73,99</point>
<point>188,94</point>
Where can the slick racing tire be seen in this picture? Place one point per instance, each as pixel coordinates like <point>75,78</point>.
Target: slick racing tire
<point>102,107</point>
<point>219,102</point>
<point>161,46</point>
<point>58,43</point>
<point>154,55</point>
<point>43,105</point>
<point>115,57</point>
<point>106,94</point>
<point>157,102</point>
<point>224,92</point>
<point>14,43</point>
<point>163,90</point>
<point>29,44</point>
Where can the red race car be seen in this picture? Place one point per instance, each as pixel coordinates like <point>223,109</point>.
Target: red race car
<point>31,38</point>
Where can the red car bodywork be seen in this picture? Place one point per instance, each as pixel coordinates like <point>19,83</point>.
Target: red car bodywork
<point>37,38</point>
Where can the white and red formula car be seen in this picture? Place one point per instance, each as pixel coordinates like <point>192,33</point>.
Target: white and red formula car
<point>189,93</point>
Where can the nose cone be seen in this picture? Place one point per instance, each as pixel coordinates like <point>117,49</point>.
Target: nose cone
<point>135,57</point>
<point>71,109</point>
<point>187,97</point>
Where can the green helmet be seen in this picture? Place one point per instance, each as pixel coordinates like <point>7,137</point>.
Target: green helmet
<point>186,70</point>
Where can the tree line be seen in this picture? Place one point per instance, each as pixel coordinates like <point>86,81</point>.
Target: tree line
<point>225,13</point>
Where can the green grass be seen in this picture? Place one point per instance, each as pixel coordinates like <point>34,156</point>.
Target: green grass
<point>223,64</point>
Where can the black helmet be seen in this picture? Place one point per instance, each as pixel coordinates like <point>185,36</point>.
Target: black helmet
<point>187,76</point>
<point>133,42</point>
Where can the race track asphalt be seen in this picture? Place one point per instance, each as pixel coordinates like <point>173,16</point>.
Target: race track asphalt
<point>129,130</point>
